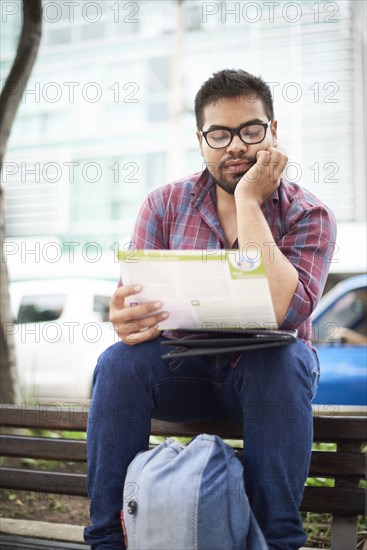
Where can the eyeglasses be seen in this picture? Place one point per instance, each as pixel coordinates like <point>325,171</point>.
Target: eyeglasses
<point>248,133</point>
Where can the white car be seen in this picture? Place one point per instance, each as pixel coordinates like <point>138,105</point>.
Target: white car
<point>61,327</point>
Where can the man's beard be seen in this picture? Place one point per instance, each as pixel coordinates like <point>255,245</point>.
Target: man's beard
<point>229,183</point>
<point>228,186</point>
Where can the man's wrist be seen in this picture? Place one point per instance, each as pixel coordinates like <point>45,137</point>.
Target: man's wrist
<point>247,200</point>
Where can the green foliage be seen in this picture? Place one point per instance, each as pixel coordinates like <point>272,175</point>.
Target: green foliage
<point>320,482</point>
<point>157,439</point>
<point>317,527</point>
<point>55,434</point>
<point>324,447</point>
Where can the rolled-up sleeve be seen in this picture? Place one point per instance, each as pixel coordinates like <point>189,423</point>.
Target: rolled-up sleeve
<point>309,246</point>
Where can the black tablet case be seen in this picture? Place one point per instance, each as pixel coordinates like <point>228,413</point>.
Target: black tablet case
<point>206,342</point>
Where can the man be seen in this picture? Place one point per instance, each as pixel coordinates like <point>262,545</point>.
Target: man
<point>240,198</point>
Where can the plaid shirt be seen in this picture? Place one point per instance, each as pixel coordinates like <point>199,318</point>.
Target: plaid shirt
<point>183,215</point>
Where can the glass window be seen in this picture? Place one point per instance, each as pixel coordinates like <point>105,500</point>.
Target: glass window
<point>101,306</point>
<point>59,36</point>
<point>194,17</point>
<point>88,194</point>
<point>158,111</point>
<point>349,312</point>
<point>158,74</point>
<point>36,309</point>
<point>93,31</point>
<point>126,177</point>
<point>155,169</point>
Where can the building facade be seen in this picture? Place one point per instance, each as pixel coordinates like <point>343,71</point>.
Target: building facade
<point>107,115</point>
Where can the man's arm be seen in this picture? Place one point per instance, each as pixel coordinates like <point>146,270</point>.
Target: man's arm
<point>138,324</point>
<point>251,192</point>
<point>297,265</point>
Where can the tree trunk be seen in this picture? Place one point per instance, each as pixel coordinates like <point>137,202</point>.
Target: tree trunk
<point>9,101</point>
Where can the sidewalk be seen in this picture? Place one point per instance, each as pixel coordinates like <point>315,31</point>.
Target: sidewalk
<point>42,529</point>
<point>50,531</point>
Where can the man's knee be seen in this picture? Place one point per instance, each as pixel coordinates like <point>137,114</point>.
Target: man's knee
<point>280,371</point>
<point>278,358</point>
<point>121,362</point>
<point>111,362</point>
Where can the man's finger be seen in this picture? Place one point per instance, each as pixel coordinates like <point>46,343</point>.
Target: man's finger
<point>142,310</point>
<point>124,328</point>
<point>127,290</point>
<point>118,297</point>
<point>277,156</point>
<point>141,336</point>
<point>262,157</point>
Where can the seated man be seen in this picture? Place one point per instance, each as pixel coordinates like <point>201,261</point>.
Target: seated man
<point>239,198</point>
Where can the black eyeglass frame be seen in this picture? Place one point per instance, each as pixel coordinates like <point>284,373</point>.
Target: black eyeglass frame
<point>236,132</point>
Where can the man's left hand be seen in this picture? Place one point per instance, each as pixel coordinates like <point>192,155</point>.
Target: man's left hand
<point>263,178</point>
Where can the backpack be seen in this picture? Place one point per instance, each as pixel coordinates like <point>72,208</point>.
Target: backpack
<point>192,497</point>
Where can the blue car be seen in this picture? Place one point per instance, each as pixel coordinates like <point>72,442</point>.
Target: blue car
<point>340,337</point>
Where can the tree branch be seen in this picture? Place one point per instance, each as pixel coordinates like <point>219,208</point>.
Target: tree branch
<point>21,69</point>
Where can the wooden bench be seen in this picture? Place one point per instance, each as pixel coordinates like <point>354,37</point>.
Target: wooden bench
<point>345,500</point>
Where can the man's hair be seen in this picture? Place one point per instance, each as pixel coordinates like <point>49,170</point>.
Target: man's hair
<point>232,83</point>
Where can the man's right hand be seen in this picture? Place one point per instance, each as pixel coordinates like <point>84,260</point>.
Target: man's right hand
<point>135,324</point>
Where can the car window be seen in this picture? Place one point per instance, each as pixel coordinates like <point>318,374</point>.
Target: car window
<point>101,306</point>
<point>42,307</point>
<point>349,312</point>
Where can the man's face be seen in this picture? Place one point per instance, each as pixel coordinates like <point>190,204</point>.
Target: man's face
<point>228,164</point>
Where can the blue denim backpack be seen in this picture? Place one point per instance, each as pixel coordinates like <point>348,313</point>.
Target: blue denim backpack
<point>190,497</point>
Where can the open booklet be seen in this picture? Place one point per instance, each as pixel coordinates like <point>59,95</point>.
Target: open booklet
<point>218,300</point>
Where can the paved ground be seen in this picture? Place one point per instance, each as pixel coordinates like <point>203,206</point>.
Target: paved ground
<point>45,530</point>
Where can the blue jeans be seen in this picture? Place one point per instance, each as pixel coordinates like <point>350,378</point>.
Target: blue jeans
<point>270,391</point>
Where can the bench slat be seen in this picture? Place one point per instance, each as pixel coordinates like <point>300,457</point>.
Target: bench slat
<point>346,429</point>
<point>43,481</point>
<point>326,428</point>
<point>43,447</point>
<point>323,464</point>
<point>334,500</point>
<point>50,417</point>
<point>336,464</point>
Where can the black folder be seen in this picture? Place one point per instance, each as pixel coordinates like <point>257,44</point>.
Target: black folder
<point>204,342</point>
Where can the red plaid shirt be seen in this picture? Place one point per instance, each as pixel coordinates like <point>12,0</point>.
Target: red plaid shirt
<point>183,215</point>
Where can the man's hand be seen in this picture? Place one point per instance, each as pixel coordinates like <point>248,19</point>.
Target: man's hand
<point>264,176</point>
<point>135,324</point>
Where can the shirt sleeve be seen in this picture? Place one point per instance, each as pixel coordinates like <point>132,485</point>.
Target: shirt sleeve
<point>147,233</point>
<point>309,246</point>
<point>148,229</point>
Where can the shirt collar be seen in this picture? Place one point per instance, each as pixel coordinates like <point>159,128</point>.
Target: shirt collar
<point>203,185</point>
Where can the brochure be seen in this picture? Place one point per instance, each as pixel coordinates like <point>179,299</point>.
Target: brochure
<point>206,290</point>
